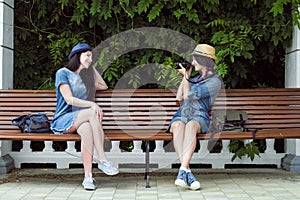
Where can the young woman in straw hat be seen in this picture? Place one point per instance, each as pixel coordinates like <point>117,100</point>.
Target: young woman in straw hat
<point>197,94</point>
<point>76,84</point>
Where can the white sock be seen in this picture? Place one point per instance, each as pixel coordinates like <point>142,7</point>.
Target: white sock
<point>183,168</point>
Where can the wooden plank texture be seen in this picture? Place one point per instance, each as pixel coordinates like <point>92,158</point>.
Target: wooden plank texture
<point>145,113</point>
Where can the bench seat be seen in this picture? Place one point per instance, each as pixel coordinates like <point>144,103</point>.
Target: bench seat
<point>152,135</point>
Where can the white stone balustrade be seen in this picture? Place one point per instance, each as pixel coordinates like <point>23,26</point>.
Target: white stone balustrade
<point>159,157</point>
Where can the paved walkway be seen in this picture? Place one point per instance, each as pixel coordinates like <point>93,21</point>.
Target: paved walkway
<point>233,184</point>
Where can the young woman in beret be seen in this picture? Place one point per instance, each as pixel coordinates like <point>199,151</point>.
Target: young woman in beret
<point>76,112</point>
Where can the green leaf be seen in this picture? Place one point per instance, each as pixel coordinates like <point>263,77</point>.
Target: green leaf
<point>155,11</point>
<point>107,9</point>
<point>63,3</point>
<point>95,7</point>
<point>247,55</point>
<point>277,7</point>
<point>178,13</point>
<point>193,16</point>
<point>143,6</point>
<point>82,5</point>
<point>190,3</point>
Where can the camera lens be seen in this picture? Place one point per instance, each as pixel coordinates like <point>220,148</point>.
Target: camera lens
<point>187,65</point>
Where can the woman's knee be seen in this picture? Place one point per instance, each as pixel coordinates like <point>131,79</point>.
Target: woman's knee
<point>85,115</point>
<point>91,113</point>
<point>93,116</point>
<point>176,125</point>
<point>194,125</point>
<point>84,128</point>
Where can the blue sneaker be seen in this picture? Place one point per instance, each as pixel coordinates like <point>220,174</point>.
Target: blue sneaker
<point>181,179</point>
<point>192,182</point>
<point>88,183</point>
<point>108,168</point>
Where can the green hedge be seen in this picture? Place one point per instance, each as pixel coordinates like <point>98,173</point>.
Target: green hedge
<point>250,36</point>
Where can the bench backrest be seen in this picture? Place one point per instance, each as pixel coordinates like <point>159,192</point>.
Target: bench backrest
<point>267,108</point>
<point>123,109</point>
<point>153,108</point>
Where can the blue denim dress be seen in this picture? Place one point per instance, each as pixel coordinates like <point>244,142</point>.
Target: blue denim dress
<point>198,104</point>
<point>65,114</point>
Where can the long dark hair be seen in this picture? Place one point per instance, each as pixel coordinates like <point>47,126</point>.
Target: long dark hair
<point>87,75</point>
<point>205,61</point>
<point>74,62</point>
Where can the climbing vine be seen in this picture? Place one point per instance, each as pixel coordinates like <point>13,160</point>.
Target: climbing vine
<point>250,36</point>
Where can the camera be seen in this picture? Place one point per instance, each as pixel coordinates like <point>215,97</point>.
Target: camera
<point>186,64</point>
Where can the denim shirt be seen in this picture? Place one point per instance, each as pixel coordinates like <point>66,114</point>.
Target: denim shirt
<point>200,98</point>
<point>202,95</point>
<point>64,114</point>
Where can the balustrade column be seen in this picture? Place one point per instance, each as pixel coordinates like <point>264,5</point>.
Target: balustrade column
<point>6,68</point>
<point>6,44</point>
<point>292,80</point>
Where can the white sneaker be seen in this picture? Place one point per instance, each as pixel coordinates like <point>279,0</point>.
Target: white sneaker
<point>88,183</point>
<point>108,168</point>
<point>192,182</point>
<point>181,179</point>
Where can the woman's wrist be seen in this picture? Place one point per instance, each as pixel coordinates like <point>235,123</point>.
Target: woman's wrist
<point>91,104</point>
<point>186,88</point>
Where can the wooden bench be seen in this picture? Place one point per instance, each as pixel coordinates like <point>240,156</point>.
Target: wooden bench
<point>144,114</point>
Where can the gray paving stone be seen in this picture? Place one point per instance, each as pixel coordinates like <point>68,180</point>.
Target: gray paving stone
<point>266,184</point>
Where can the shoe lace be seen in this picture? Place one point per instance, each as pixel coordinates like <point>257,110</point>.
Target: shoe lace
<point>182,174</point>
<point>190,177</point>
<point>107,163</point>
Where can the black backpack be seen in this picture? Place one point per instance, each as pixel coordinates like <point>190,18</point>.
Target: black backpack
<point>33,123</point>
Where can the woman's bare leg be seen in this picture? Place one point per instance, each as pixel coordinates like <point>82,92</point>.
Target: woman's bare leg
<point>85,132</point>
<point>89,116</point>
<point>189,142</point>
<point>98,136</point>
<point>177,128</point>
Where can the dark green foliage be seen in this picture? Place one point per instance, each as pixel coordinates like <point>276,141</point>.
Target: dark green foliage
<point>250,36</point>
<point>240,149</point>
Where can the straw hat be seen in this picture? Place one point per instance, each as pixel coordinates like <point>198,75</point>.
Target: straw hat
<point>205,50</point>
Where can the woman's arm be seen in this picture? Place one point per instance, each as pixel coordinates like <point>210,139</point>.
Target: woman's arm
<point>99,82</point>
<point>184,87</point>
<point>183,90</point>
<point>71,100</point>
<point>179,94</point>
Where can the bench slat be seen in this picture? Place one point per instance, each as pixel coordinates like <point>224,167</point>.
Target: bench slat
<point>153,135</point>
<point>148,111</point>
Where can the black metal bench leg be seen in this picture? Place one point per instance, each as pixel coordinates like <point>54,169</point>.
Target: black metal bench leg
<point>147,175</point>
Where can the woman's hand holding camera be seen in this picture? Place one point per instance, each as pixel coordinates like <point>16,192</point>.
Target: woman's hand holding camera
<point>184,72</point>
<point>185,85</point>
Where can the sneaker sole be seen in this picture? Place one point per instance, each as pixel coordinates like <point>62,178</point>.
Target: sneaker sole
<point>181,183</point>
<point>89,188</point>
<point>110,174</point>
<point>195,187</point>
